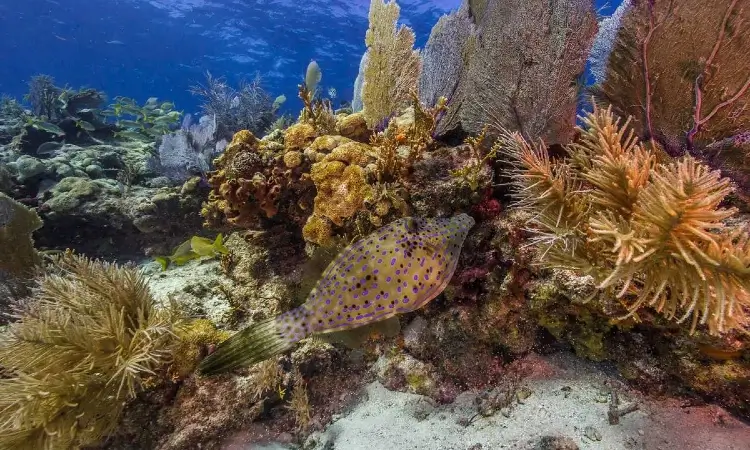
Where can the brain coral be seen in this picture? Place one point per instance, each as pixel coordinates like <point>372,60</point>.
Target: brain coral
<point>341,182</point>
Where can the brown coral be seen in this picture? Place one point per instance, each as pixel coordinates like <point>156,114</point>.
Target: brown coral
<point>299,136</point>
<point>680,69</point>
<point>317,230</point>
<point>251,183</point>
<point>342,189</point>
<point>353,126</point>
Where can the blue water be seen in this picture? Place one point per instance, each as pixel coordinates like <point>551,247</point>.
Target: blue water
<point>142,48</point>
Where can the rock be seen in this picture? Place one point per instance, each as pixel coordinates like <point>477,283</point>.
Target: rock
<point>159,182</point>
<point>421,408</point>
<point>31,138</point>
<point>415,334</point>
<point>94,171</point>
<point>404,372</point>
<point>592,433</point>
<point>28,167</point>
<point>69,193</point>
<point>556,443</point>
<point>354,127</point>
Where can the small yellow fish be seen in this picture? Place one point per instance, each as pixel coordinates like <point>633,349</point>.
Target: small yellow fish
<point>397,269</point>
<point>194,248</point>
<point>86,126</point>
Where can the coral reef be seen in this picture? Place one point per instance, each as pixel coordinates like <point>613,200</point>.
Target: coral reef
<point>622,248</point>
<point>249,107</point>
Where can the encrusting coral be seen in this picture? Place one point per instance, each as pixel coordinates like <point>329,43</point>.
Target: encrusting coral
<point>195,337</point>
<point>341,182</point>
<point>90,338</point>
<point>651,233</point>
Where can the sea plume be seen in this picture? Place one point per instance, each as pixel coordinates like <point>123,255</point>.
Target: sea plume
<point>651,233</point>
<point>89,339</point>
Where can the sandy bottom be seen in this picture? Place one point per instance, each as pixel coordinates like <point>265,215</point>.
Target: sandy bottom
<point>567,409</point>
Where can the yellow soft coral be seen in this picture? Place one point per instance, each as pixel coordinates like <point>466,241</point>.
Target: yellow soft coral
<point>317,230</point>
<point>651,234</point>
<point>393,66</point>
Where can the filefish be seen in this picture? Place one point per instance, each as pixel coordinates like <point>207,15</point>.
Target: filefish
<point>395,270</point>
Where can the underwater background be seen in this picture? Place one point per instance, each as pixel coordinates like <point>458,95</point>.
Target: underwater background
<point>141,49</point>
<point>375,225</point>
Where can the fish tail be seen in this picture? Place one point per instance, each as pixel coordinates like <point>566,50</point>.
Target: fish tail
<point>254,344</point>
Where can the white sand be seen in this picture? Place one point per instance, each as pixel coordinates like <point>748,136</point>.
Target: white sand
<point>387,420</point>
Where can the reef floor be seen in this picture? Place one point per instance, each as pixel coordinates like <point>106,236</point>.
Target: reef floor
<point>567,409</point>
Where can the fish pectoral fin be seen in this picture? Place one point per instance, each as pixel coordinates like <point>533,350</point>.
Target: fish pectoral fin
<point>354,338</point>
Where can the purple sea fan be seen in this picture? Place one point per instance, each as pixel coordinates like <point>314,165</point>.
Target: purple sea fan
<point>189,150</point>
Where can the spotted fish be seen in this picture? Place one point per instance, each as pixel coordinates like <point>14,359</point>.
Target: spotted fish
<point>397,269</point>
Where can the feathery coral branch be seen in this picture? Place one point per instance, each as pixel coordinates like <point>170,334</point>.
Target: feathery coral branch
<point>653,233</point>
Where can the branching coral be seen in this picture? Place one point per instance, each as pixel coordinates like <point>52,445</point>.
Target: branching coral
<point>89,340</point>
<point>316,111</point>
<point>471,172</point>
<point>19,259</point>
<point>680,69</point>
<point>392,65</point>
<point>651,233</point>
<point>247,108</point>
<point>400,146</point>
<point>299,402</point>
<point>267,376</point>
<point>16,225</point>
<point>43,96</point>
